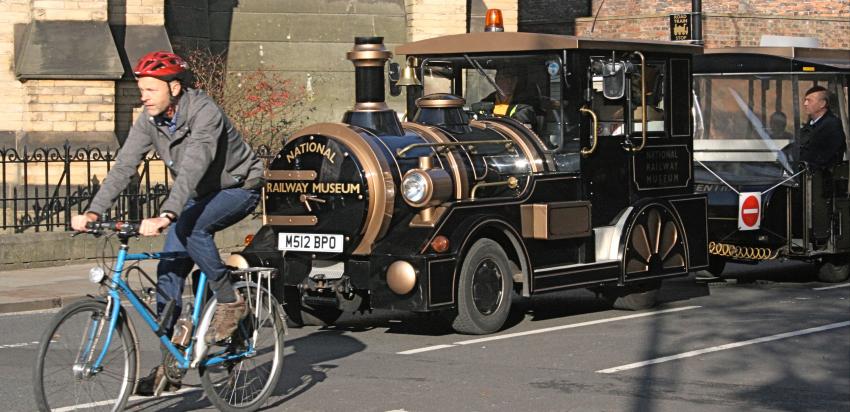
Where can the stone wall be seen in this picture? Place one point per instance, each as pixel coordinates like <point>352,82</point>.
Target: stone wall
<point>87,10</point>
<point>11,90</point>
<point>304,41</point>
<point>34,250</point>
<point>69,105</point>
<point>726,23</point>
<point>137,12</point>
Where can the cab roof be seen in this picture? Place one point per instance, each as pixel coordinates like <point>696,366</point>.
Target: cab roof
<point>756,59</point>
<point>502,42</point>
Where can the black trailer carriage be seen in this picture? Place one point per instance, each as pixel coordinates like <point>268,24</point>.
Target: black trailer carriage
<point>749,117</point>
<point>456,208</point>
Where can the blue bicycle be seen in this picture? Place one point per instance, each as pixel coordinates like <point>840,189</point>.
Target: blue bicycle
<point>88,357</point>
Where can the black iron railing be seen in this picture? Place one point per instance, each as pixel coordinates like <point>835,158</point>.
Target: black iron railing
<point>41,189</point>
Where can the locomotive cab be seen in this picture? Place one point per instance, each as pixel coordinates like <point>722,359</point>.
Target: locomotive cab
<point>524,162</point>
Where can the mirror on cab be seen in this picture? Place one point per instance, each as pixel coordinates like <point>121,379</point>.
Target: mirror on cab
<point>613,75</point>
<point>614,80</point>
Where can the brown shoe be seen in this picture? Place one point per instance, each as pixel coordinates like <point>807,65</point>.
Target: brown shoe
<point>225,319</point>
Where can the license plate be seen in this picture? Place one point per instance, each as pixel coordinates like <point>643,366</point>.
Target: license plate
<point>309,242</point>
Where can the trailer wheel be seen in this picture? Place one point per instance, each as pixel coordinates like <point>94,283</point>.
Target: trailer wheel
<point>484,289</point>
<point>834,269</point>
<point>299,314</point>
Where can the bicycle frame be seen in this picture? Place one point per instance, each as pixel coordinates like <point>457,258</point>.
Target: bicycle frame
<point>117,287</point>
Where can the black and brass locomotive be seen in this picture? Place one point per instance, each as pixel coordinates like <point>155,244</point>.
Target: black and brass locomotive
<point>464,204</point>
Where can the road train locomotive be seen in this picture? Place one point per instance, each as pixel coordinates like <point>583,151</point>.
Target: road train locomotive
<point>749,119</point>
<point>459,206</point>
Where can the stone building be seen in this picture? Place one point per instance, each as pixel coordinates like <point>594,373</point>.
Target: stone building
<point>65,64</point>
<point>726,23</point>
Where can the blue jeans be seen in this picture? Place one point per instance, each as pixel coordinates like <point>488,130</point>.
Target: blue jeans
<point>193,233</point>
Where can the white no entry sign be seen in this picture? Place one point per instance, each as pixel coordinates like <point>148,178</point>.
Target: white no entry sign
<point>749,211</point>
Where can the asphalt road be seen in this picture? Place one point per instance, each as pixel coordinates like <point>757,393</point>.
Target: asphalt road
<point>769,339</point>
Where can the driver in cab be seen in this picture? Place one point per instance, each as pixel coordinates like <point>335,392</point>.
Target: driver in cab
<point>505,101</point>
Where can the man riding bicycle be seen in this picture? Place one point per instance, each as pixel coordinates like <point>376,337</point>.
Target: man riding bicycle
<point>216,182</point>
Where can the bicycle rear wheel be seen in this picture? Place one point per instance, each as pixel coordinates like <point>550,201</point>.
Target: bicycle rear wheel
<point>246,383</point>
<point>72,342</point>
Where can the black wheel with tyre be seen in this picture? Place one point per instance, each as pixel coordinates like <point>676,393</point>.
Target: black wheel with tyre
<point>834,269</point>
<point>253,354</point>
<point>484,289</point>
<point>65,376</point>
<point>299,314</point>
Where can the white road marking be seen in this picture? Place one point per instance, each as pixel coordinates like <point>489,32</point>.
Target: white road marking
<point>425,349</point>
<point>18,345</point>
<point>724,347</point>
<point>545,330</point>
<point>132,398</point>
<point>843,285</point>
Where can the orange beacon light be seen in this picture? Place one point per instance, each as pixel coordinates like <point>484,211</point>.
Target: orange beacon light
<point>493,21</point>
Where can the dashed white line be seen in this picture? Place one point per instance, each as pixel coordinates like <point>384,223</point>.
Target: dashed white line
<point>544,330</point>
<point>725,347</point>
<point>843,285</point>
<point>425,349</point>
<point>18,345</point>
<point>132,398</point>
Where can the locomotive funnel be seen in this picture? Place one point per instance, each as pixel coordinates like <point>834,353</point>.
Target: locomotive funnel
<point>371,111</point>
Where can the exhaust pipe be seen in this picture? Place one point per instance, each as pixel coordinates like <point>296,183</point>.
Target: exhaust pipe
<point>370,110</point>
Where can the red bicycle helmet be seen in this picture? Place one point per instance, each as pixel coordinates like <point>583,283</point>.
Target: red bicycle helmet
<point>162,65</point>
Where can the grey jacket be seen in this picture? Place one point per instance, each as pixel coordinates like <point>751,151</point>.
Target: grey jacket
<point>205,154</point>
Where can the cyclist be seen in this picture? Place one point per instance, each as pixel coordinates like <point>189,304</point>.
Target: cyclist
<point>217,179</point>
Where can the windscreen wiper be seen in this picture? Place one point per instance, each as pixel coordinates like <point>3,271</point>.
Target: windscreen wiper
<point>486,76</point>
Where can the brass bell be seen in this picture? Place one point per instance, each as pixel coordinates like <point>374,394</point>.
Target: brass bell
<point>408,76</point>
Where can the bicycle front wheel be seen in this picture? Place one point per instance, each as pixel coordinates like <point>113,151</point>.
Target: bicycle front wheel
<point>244,384</point>
<point>64,378</point>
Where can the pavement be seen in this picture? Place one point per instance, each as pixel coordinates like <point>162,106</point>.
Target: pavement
<point>52,287</point>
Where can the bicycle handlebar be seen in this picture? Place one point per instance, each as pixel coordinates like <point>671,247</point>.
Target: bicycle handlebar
<point>123,228</point>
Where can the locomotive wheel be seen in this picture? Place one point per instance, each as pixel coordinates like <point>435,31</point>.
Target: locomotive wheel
<point>655,244</point>
<point>834,269</point>
<point>484,289</point>
<point>298,314</point>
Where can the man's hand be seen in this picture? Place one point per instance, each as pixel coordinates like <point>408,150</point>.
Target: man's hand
<point>79,222</point>
<point>153,226</point>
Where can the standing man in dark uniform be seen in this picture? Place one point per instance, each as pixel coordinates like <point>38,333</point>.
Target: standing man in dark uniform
<point>822,138</point>
<point>822,145</point>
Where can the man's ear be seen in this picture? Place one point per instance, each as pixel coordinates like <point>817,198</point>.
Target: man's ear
<point>175,87</point>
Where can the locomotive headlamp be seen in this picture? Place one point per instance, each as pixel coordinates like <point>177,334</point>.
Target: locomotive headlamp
<point>426,188</point>
<point>415,187</point>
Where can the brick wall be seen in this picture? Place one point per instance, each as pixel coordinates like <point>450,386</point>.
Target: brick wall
<point>11,90</point>
<point>137,12</point>
<point>88,10</point>
<point>551,16</point>
<point>432,18</point>
<point>726,23</point>
<point>69,106</point>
